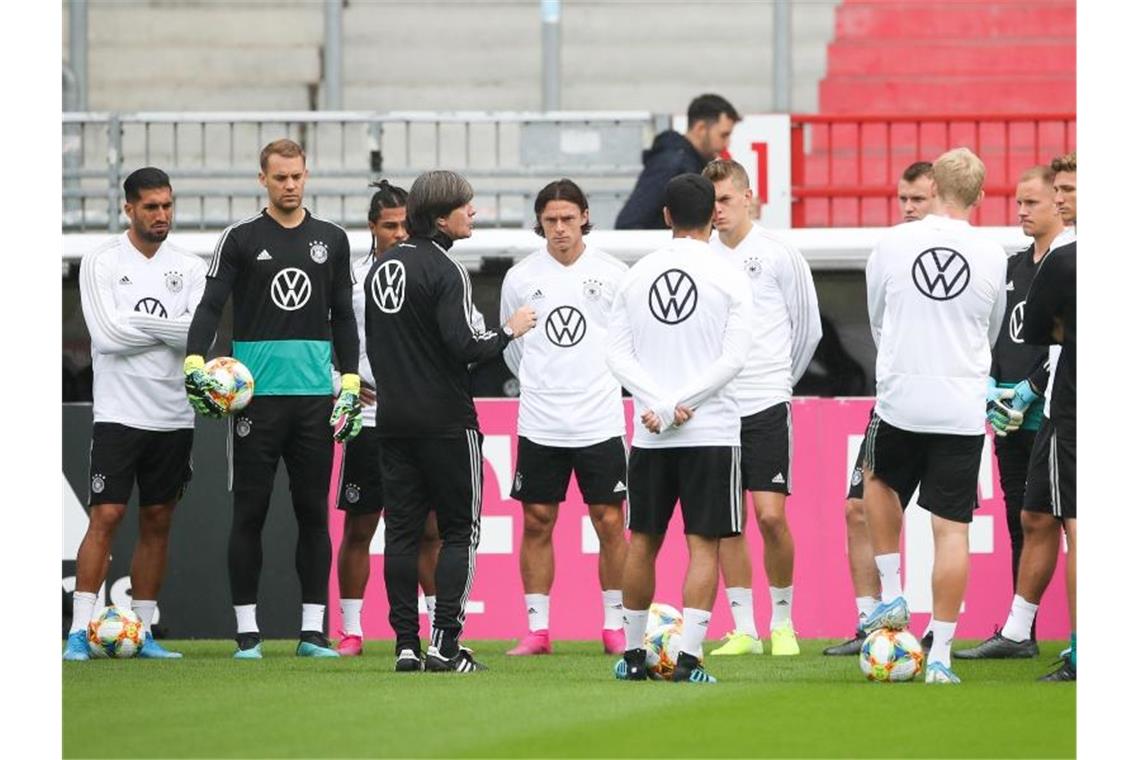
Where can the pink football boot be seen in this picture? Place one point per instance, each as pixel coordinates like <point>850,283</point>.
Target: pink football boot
<point>535,642</point>
<point>613,640</point>
<point>350,645</point>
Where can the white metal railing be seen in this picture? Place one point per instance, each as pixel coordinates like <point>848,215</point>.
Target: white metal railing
<point>212,158</point>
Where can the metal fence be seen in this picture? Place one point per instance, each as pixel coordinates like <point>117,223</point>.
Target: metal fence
<point>845,169</point>
<point>212,159</point>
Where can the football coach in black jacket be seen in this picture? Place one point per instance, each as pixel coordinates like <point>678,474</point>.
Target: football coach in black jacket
<point>421,335</point>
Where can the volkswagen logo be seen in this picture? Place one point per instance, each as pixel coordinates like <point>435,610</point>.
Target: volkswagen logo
<point>565,326</point>
<point>1016,321</point>
<point>388,286</point>
<point>940,273</point>
<point>673,297</point>
<point>151,306</point>
<point>290,289</point>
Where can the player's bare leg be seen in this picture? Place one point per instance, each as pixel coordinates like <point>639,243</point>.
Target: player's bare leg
<point>779,564</point>
<point>148,569</point>
<point>736,568</point>
<point>948,580</point>
<point>91,564</point>
<point>609,525</point>
<point>639,581</point>
<point>536,565</point>
<point>884,522</point>
<point>698,595</point>
<point>353,566</point>
<point>864,574</point>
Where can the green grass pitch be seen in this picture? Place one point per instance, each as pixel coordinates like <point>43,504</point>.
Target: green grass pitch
<point>564,705</point>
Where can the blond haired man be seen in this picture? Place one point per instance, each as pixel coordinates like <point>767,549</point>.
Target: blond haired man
<point>935,296</point>
<point>785,331</point>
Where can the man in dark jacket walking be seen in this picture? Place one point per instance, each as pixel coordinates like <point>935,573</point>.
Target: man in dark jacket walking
<point>711,119</point>
<point>421,334</point>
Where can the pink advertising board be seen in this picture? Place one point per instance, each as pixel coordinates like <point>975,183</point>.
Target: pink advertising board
<point>827,433</point>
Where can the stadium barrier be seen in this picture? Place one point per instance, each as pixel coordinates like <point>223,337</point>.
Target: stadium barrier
<point>195,600</point>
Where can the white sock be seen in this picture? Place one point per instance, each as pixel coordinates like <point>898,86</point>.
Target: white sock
<point>350,616</point>
<point>943,636</point>
<point>537,611</point>
<point>865,604</point>
<point>246,615</point>
<point>889,577</point>
<point>429,602</point>
<point>694,627</point>
<point>1020,621</point>
<point>634,622</point>
<point>929,627</point>
<point>312,617</point>
<point>145,609</point>
<point>82,609</point>
<point>781,607</point>
<point>740,605</point>
<point>611,609</point>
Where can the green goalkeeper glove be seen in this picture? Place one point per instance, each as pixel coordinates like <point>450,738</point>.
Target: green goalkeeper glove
<point>345,420</point>
<point>199,386</point>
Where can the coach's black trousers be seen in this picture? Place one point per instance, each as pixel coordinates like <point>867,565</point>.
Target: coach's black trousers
<point>296,429</point>
<point>421,474</point>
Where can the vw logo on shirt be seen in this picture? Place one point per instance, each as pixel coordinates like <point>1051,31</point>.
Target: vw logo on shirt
<point>388,286</point>
<point>940,273</point>
<point>565,326</point>
<point>290,289</point>
<point>1016,321</point>
<point>151,306</point>
<point>673,297</point>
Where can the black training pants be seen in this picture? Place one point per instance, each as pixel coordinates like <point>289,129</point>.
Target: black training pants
<point>421,474</point>
<point>296,429</point>
<point>1013,466</point>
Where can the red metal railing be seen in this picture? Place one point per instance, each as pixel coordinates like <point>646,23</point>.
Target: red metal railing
<point>845,169</point>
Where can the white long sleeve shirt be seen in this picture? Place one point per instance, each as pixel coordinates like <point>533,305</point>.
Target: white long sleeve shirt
<point>936,298</point>
<point>568,397</point>
<point>138,312</point>
<point>360,266</point>
<point>680,331</point>
<point>786,326</point>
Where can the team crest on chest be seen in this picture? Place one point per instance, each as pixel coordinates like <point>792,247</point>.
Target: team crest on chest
<point>318,252</point>
<point>592,289</point>
<point>752,266</point>
<point>174,282</point>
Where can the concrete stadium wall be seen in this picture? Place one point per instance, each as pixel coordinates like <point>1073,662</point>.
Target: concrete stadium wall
<point>435,55</point>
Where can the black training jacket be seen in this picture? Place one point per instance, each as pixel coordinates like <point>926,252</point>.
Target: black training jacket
<point>421,336</point>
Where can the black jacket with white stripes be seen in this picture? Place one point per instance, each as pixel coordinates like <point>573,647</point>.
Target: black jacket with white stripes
<point>421,335</point>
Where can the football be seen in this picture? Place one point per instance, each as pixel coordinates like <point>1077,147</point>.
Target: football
<point>236,382</point>
<point>891,656</point>
<point>662,614</point>
<point>661,648</point>
<point>115,632</point>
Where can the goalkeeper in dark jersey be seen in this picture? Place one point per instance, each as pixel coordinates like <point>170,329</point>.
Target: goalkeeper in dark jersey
<point>291,280</point>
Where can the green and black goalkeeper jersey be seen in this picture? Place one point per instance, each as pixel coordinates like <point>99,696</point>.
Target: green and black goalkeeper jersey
<point>292,291</point>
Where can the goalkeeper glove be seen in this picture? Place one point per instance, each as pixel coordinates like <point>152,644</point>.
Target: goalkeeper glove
<point>993,393</point>
<point>199,386</point>
<point>345,420</point>
<point>1023,396</point>
<point>1001,415</point>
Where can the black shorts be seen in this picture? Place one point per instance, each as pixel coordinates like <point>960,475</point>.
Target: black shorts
<point>542,473</point>
<point>706,479</point>
<point>1051,486</point>
<point>361,487</point>
<point>158,460</point>
<point>855,484</point>
<point>945,466</point>
<point>766,449</point>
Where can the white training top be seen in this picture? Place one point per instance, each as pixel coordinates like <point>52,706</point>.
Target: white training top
<point>361,263</point>
<point>138,311</point>
<point>568,396</point>
<point>680,330</point>
<point>786,327</point>
<point>1068,235</point>
<point>936,298</point>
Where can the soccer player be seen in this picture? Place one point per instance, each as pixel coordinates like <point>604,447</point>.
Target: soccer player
<point>360,491</point>
<point>422,332</point>
<point>935,296</point>
<point>291,278</point>
<point>1050,503</point>
<point>1020,372</point>
<point>680,331</point>
<point>785,331</point>
<point>138,293</point>
<point>711,120</point>
<point>571,417</point>
<point>914,198</point>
